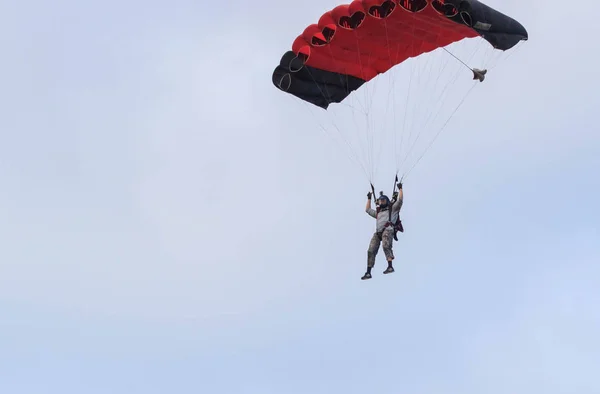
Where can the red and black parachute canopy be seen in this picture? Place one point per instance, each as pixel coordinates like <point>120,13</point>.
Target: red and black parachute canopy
<point>355,42</point>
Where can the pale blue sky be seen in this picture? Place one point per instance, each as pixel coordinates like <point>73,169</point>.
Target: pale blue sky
<point>170,223</point>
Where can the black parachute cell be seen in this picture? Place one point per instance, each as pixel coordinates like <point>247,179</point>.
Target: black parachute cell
<point>501,31</point>
<point>319,87</point>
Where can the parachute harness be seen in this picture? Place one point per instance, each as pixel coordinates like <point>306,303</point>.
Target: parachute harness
<point>396,226</point>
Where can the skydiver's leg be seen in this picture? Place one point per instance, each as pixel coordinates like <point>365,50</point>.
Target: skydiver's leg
<point>373,249</point>
<point>371,254</point>
<point>388,239</point>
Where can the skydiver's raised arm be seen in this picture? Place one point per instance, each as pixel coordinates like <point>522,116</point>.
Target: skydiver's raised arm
<point>368,208</point>
<point>399,198</point>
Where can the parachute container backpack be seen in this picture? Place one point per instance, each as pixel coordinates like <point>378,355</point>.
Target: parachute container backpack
<point>385,76</point>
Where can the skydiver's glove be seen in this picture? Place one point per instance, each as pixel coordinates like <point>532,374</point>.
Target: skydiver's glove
<point>399,185</point>
<point>369,195</point>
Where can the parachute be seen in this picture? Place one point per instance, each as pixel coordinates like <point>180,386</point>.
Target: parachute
<point>354,44</point>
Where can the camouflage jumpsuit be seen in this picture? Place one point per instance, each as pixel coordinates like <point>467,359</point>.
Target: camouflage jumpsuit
<point>383,234</point>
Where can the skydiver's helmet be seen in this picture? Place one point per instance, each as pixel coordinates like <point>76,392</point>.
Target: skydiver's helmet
<point>383,201</point>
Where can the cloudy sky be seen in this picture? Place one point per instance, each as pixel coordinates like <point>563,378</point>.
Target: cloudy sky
<point>171,222</point>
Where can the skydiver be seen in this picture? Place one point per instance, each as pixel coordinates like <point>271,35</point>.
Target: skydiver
<point>387,223</point>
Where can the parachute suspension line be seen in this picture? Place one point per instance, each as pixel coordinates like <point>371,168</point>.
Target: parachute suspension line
<point>421,104</point>
<point>398,151</point>
<point>376,143</point>
<point>457,58</point>
<point>369,120</point>
<point>354,110</point>
<point>351,107</point>
<point>391,97</point>
<point>435,102</point>
<point>503,56</point>
<point>375,85</point>
<point>351,155</point>
<point>363,123</point>
<point>436,107</point>
<point>381,127</point>
<point>439,132</point>
<point>437,113</point>
<point>366,111</point>
<point>391,86</point>
<point>414,102</point>
<point>364,150</point>
<point>395,126</point>
<point>352,152</point>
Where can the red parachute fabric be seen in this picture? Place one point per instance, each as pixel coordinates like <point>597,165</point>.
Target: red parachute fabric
<point>368,37</point>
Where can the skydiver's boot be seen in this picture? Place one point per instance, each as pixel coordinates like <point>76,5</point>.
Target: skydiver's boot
<point>367,274</point>
<point>479,74</point>
<point>389,269</point>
